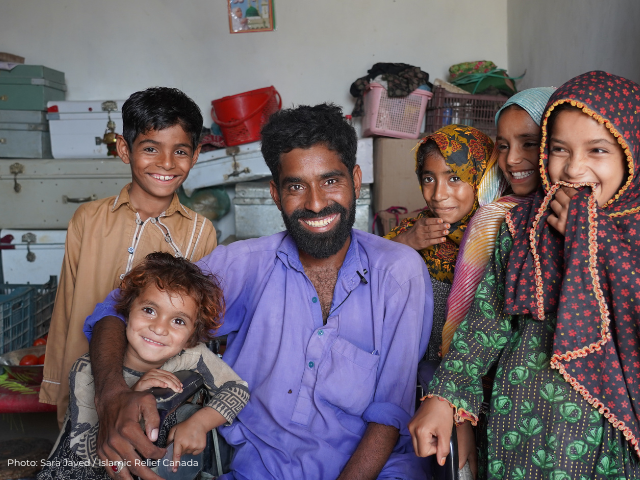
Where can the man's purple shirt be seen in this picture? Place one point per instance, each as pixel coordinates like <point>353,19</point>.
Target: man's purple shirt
<point>314,387</point>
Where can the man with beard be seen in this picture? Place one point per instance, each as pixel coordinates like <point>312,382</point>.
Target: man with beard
<point>326,324</point>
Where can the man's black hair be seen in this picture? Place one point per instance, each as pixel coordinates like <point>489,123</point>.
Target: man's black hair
<point>304,127</point>
<point>157,108</point>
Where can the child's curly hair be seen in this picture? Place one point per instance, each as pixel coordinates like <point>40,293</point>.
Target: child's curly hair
<point>178,276</point>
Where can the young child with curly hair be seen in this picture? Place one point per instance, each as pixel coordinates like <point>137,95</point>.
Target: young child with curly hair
<point>172,308</point>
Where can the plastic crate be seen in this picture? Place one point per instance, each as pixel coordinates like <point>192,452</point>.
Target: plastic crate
<point>398,117</point>
<point>476,111</point>
<point>25,313</point>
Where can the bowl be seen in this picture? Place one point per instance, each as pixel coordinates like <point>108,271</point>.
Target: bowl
<point>27,374</point>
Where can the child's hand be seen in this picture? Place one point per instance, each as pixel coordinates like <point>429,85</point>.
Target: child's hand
<point>560,207</point>
<point>189,437</point>
<point>430,429</point>
<point>424,233</point>
<point>467,448</point>
<point>158,378</point>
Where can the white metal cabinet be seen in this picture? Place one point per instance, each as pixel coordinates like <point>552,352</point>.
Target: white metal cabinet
<point>32,256</point>
<point>44,194</point>
<point>227,166</point>
<point>75,125</point>
<point>24,134</point>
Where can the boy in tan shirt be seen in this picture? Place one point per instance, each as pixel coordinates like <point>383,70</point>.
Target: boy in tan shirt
<point>108,237</point>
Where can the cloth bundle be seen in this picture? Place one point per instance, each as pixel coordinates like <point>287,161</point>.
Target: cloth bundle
<point>402,79</point>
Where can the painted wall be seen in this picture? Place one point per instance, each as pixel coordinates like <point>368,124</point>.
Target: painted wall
<point>555,40</point>
<point>108,49</point>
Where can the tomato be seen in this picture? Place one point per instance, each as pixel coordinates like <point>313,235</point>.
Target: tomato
<point>40,341</point>
<point>29,360</point>
<point>40,360</point>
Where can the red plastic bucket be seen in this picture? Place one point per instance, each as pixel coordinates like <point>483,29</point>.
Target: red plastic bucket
<point>240,117</point>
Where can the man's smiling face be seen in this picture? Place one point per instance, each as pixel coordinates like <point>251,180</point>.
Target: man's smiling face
<point>317,197</point>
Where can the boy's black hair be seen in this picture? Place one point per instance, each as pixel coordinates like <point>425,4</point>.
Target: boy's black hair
<point>304,127</point>
<point>157,108</point>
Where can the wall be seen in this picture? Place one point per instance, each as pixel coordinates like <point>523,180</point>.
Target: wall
<point>555,40</point>
<point>108,49</point>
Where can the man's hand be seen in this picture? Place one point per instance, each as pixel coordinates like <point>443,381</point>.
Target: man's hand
<point>430,429</point>
<point>121,437</point>
<point>467,448</point>
<point>119,408</point>
<point>560,207</point>
<point>424,233</point>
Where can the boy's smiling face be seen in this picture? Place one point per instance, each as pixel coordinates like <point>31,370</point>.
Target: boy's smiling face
<point>160,161</point>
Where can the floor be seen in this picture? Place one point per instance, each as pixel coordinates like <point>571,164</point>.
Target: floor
<point>28,425</point>
<point>26,438</point>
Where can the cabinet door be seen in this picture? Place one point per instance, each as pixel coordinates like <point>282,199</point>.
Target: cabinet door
<point>34,255</point>
<point>226,170</point>
<point>45,193</point>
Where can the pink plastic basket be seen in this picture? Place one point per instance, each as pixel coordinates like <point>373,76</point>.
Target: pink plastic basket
<point>399,117</point>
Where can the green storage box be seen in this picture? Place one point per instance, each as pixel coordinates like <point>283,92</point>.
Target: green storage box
<point>30,87</point>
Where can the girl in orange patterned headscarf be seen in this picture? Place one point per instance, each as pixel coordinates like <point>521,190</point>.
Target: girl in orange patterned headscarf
<point>451,165</point>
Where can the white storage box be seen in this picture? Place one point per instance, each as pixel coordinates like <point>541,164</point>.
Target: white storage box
<point>256,214</point>
<point>245,162</point>
<point>33,255</point>
<point>45,193</point>
<point>74,127</point>
<point>364,158</point>
<point>227,166</point>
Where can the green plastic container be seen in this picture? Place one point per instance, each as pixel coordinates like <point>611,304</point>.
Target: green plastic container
<point>30,87</point>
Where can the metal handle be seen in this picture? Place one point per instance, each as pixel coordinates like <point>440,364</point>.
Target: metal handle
<point>236,166</point>
<point>30,238</point>
<point>16,169</point>
<point>4,98</point>
<point>66,199</point>
<point>109,106</point>
<point>3,141</point>
<point>236,173</point>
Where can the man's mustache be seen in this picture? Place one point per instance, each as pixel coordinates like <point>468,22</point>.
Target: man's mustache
<point>326,211</point>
